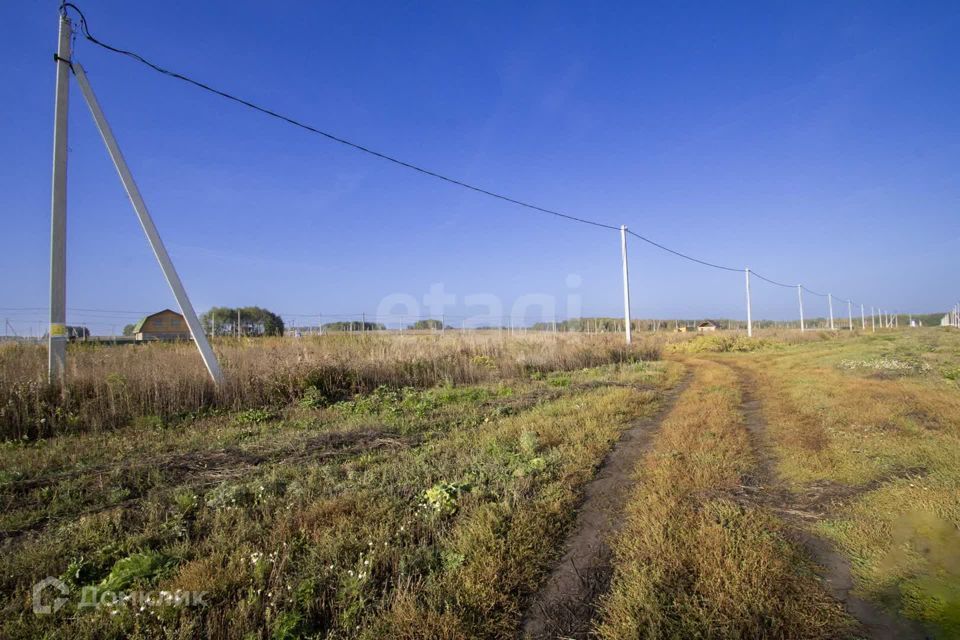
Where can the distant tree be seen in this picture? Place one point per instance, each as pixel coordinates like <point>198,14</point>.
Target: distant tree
<point>429,324</point>
<point>128,329</point>
<point>253,321</point>
<point>354,326</point>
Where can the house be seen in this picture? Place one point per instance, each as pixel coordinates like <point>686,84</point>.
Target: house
<point>682,329</point>
<point>706,326</point>
<point>162,325</point>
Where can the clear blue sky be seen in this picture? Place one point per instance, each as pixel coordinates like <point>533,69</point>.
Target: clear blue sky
<point>812,142</point>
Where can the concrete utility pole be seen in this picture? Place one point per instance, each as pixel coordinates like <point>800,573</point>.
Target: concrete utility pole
<point>153,237</point>
<point>626,283</point>
<point>800,298</point>
<point>57,333</point>
<point>749,305</point>
<point>863,318</point>
<point>850,313</point>
<point>873,320</point>
<point>830,302</point>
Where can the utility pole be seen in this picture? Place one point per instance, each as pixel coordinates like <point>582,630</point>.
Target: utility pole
<point>153,237</point>
<point>850,314</point>
<point>863,318</point>
<point>873,320</point>
<point>749,305</point>
<point>57,333</point>
<point>238,324</point>
<point>626,283</point>
<point>800,298</point>
<point>830,302</point>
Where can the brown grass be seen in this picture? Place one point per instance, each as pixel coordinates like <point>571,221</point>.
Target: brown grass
<point>110,386</point>
<point>691,561</point>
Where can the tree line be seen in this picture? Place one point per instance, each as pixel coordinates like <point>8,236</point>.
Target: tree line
<point>242,321</point>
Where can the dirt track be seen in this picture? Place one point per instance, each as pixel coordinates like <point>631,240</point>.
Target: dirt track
<point>765,489</point>
<point>565,604</point>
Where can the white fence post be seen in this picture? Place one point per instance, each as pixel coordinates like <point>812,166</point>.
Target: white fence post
<point>749,305</point>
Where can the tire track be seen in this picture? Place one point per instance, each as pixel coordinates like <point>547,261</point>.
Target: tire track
<point>565,605</point>
<point>766,489</point>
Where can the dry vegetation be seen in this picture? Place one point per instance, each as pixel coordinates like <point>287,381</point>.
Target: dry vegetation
<point>401,511</point>
<point>422,486</point>
<point>876,421</point>
<point>111,386</point>
<point>692,561</point>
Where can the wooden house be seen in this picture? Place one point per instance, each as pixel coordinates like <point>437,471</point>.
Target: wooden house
<point>162,325</point>
<point>706,326</point>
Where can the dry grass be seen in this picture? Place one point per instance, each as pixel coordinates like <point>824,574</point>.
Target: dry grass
<point>109,386</point>
<point>878,419</point>
<point>692,562</point>
<point>427,513</point>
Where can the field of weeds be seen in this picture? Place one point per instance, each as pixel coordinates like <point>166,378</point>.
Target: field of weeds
<point>110,386</point>
<point>427,486</point>
<point>424,496</point>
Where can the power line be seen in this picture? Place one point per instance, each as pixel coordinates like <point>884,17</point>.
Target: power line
<point>383,156</point>
<point>822,295</point>
<point>329,136</point>
<point>779,284</point>
<point>682,255</point>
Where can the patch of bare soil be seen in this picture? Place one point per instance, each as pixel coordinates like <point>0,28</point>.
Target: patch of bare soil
<point>814,503</point>
<point>566,603</point>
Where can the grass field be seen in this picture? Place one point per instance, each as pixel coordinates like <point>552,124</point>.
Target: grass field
<point>426,486</point>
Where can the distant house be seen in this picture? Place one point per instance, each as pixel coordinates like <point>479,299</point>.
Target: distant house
<point>706,326</point>
<point>682,329</point>
<point>162,325</point>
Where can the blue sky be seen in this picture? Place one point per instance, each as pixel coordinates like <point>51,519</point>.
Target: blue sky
<point>813,142</point>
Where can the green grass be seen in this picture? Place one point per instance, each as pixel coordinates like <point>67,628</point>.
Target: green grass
<point>878,419</point>
<point>405,512</point>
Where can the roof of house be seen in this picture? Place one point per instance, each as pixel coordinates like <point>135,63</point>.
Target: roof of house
<point>139,326</point>
<point>706,323</point>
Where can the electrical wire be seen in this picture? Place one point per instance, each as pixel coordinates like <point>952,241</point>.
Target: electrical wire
<point>359,147</point>
<point>822,295</point>
<point>682,255</point>
<point>779,284</point>
<point>84,28</point>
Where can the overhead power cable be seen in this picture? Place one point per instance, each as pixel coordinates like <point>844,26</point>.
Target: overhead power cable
<point>682,255</point>
<point>359,147</point>
<point>779,284</point>
<point>822,295</point>
<point>84,28</point>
